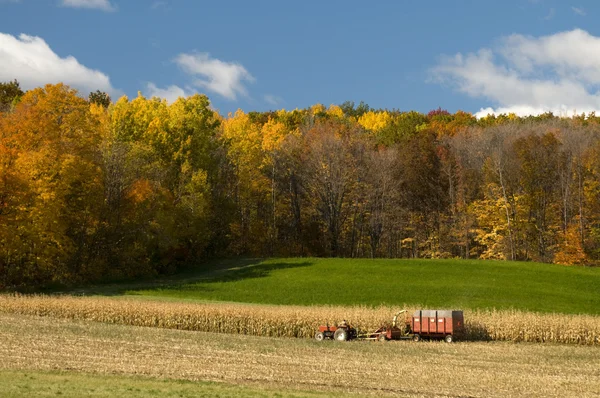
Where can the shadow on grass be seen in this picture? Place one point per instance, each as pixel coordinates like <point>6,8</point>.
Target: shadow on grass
<point>228,270</point>
<point>248,270</point>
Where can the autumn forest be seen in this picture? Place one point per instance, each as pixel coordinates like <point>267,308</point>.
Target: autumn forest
<point>93,189</point>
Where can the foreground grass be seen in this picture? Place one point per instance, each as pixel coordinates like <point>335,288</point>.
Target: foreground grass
<point>430,283</point>
<point>67,384</point>
<point>80,351</point>
<point>295,321</point>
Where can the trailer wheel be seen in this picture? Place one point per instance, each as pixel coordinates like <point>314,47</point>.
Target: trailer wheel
<point>417,337</point>
<point>340,335</point>
<point>449,338</point>
<point>382,337</point>
<point>319,336</point>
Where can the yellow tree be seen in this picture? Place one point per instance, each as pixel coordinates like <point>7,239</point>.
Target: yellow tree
<point>52,136</point>
<point>158,162</point>
<point>375,121</point>
<point>190,148</point>
<point>335,111</point>
<point>273,134</point>
<point>243,138</point>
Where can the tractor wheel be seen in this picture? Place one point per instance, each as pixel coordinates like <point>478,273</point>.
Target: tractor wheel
<point>319,336</point>
<point>417,337</point>
<point>340,335</point>
<point>382,337</point>
<point>449,338</point>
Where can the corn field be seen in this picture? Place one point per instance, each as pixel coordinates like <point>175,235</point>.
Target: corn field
<point>295,321</point>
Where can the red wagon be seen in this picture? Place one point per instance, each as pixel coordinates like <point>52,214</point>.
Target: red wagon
<point>440,324</point>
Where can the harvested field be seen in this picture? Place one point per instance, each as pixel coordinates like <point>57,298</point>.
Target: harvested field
<point>295,321</point>
<point>364,368</point>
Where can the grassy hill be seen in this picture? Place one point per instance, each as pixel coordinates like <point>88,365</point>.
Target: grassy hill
<point>430,283</point>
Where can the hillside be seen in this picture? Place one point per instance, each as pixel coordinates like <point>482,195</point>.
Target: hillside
<point>144,187</point>
<point>430,283</point>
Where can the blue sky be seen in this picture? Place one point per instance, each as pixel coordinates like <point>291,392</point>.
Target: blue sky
<point>525,56</point>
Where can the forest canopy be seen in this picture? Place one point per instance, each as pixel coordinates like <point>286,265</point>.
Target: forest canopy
<point>92,189</point>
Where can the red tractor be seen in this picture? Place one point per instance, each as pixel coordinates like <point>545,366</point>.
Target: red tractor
<point>342,332</point>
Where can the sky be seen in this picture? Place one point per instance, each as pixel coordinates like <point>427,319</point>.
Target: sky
<point>522,56</point>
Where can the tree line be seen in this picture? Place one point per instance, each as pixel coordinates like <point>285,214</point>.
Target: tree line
<point>93,190</point>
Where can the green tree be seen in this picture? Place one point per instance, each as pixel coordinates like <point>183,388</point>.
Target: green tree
<point>10,94</point>
<point>357,111</point>
<point>99,98</point>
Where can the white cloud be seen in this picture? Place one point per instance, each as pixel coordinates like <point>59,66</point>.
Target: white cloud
<point>33,63</point>
<point>224,78</point>
<point>273,99</point>
<point>159,4</point>
<point>579,11</point>
<point>530,75</point>
<point>170,93</point>
<point>103,5</point>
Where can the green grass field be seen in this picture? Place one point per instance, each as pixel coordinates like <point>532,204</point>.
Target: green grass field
<point>430,283</point>
<point>32,383</point>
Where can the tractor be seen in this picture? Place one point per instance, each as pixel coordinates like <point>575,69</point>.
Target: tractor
<point>430,324</point>
<point>342,332</point>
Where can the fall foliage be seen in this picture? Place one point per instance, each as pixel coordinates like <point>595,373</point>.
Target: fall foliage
<point>93,190</point>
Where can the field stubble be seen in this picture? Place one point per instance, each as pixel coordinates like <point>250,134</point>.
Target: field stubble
<point>365,368</point>
<point>295,321</point>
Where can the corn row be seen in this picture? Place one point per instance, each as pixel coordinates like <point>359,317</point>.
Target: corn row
<point>511,325</point>
<point>295,321</point>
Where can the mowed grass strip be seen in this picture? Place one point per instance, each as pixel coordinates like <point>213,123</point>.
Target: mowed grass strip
<point>449,284</point>
<point>72,384</point>
<point>295,321</point>
<point>296,365</point>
